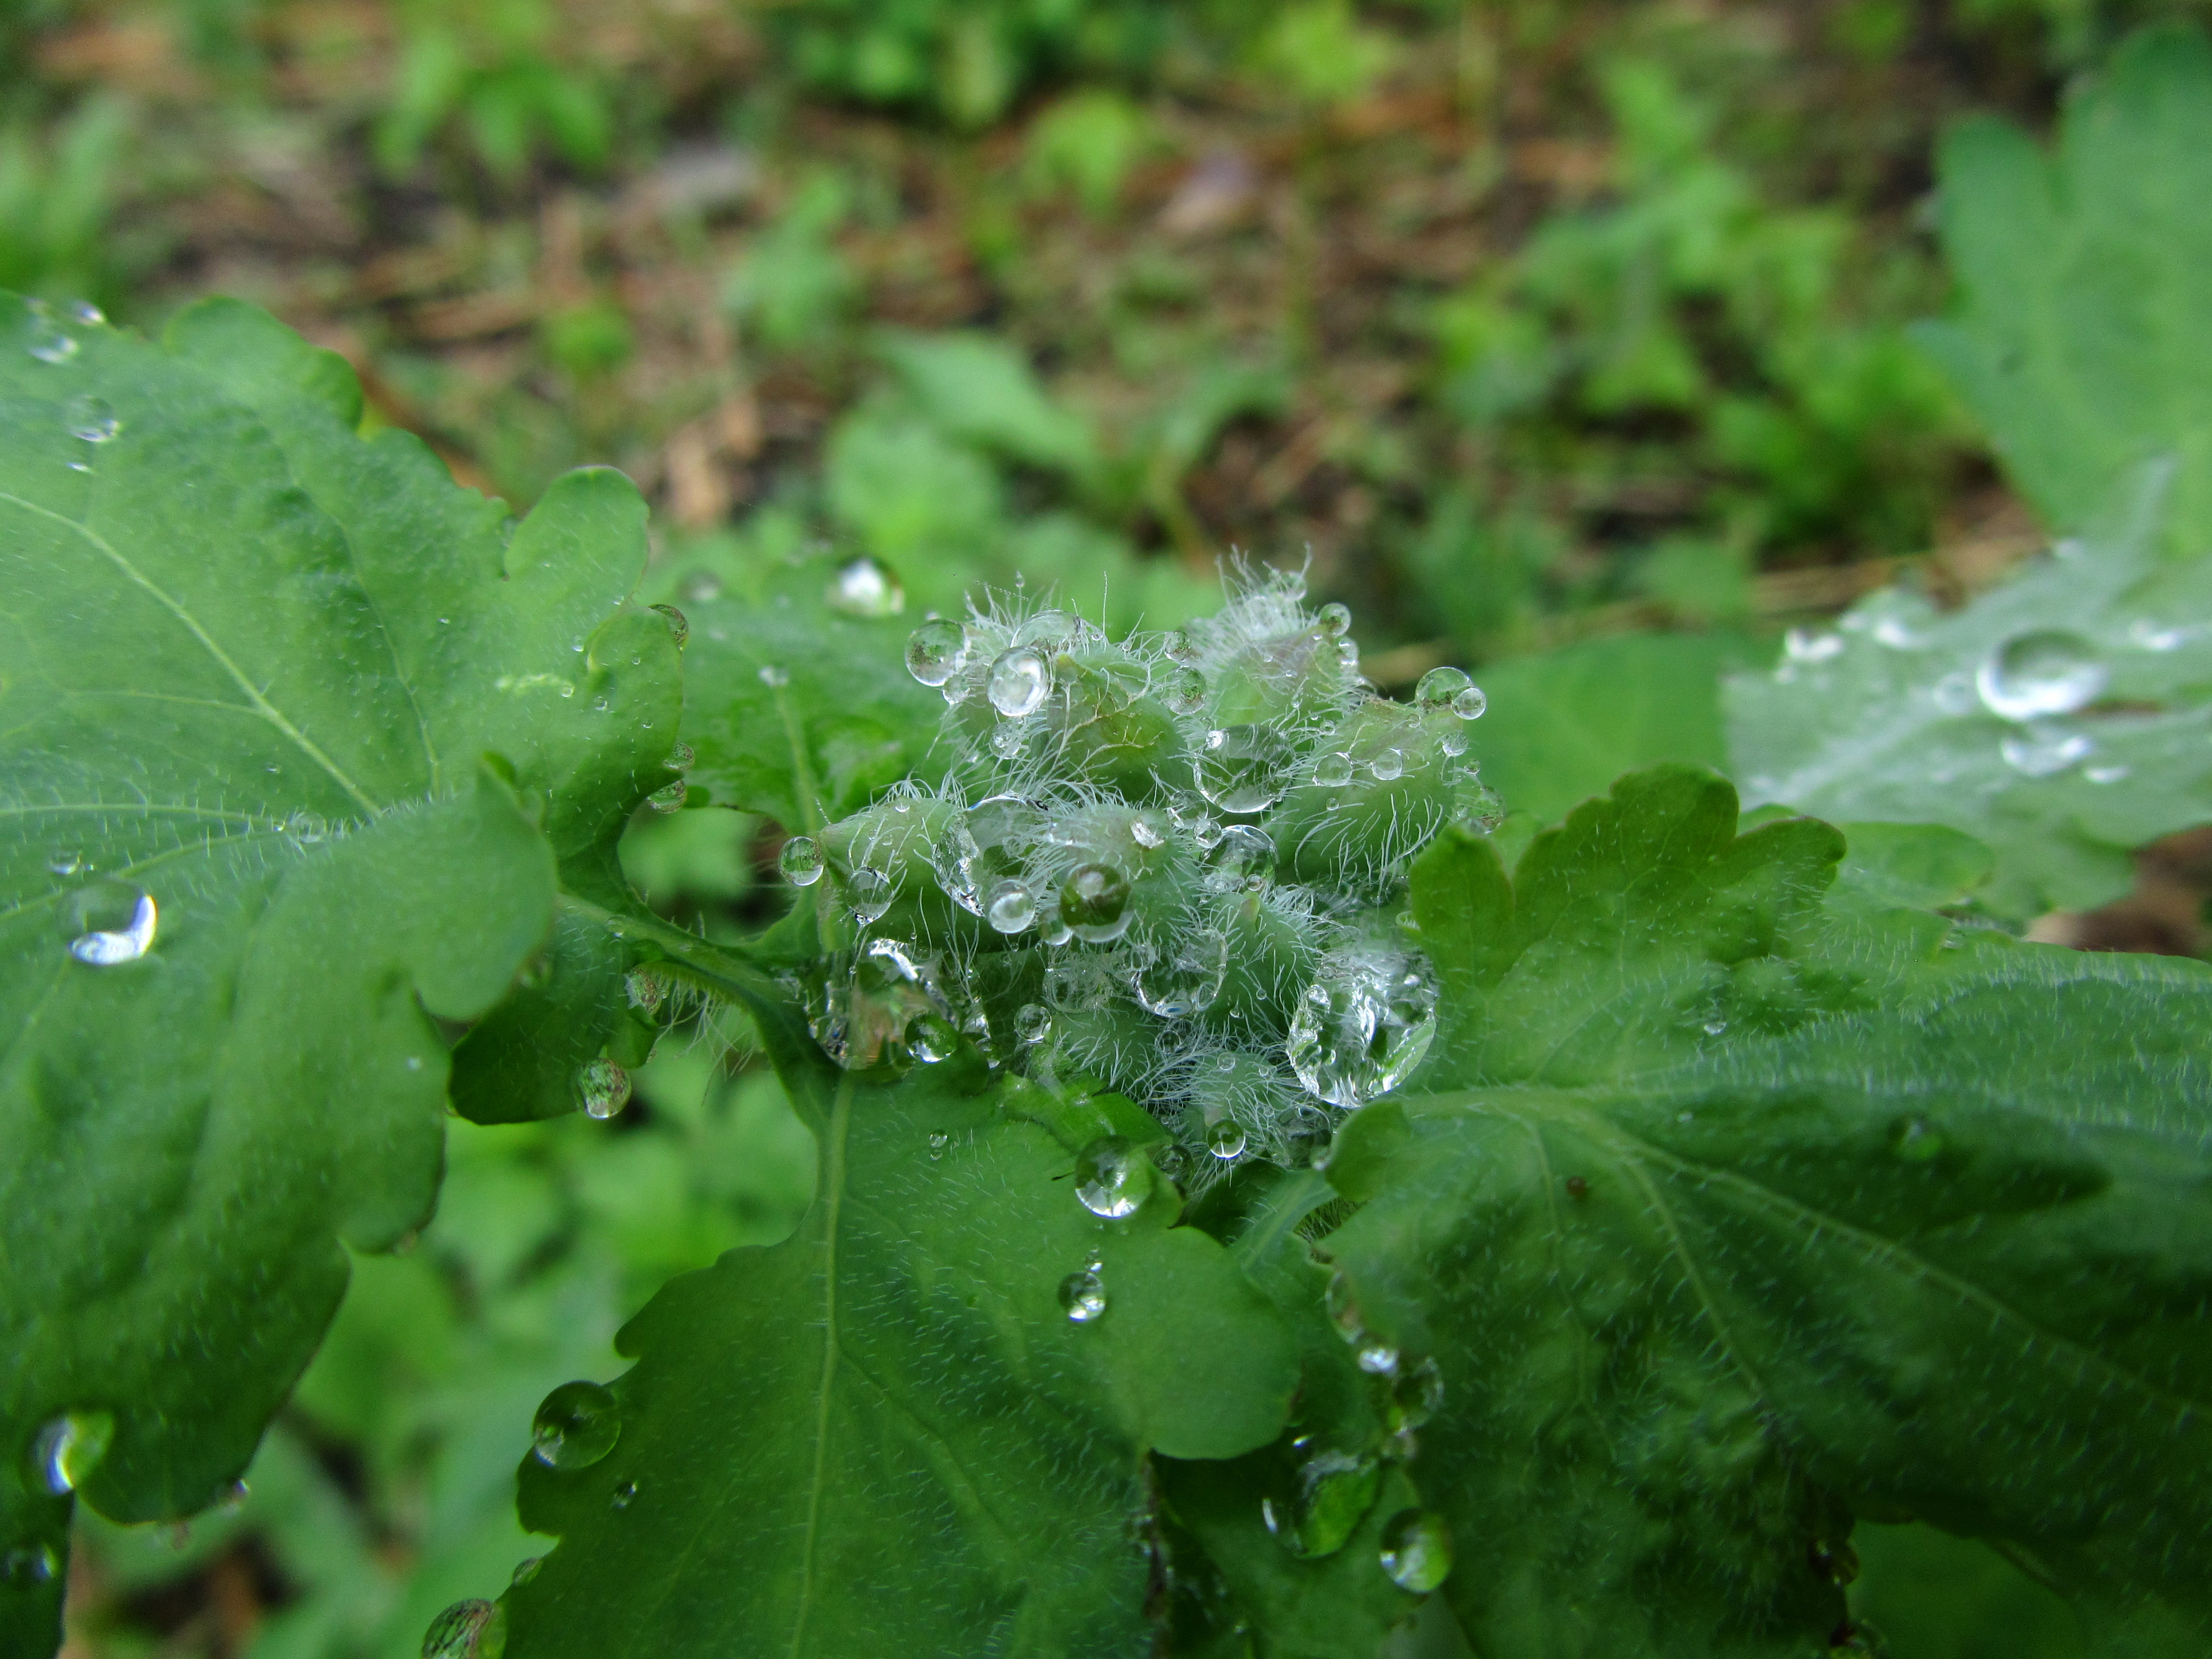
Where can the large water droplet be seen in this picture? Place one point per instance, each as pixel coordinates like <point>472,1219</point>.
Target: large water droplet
<point>1362,1028</point>
<point>800,861</point>
<point>645,989</point>
<point>1389,766</point>
<point>1416,1550</point>
<point>1439,686</point>
<point>868,894</point>
<point>864,586</point>
<point>602,1087</point>
<point>308,828</point>
<point>1242,769</point>
<point>50,343</point>
<point>85,311</point>
<point>474,1629</point>
<point>1082,1295</point>
<point>1019,680</point>
<point>91,418</point>
<point>2043,751</point>
<point>1332,771</point>
<point>934,651</point>
<point>576,1426</point>
<point>1183,691</point>
<point>679,625</point>
<point>1112,1178</point>
<point>1470,704</point>
<point>1245,854</point>
<point>65,861</point>
<point>110,923</point>
<point>1417,1394</point>
<point>1376,1357</point>
<point>1094,902</point>
<point>1335,621</point>
<point>1010,907</point>
<point>1333,1493</point>
<point>67,1449</point>
<point>1226,1138</point>
<point>1149,829</point>
<point>669,798</point>
<point>932,1038</point>
<point>1185,977</point>
<point>2048,671</point>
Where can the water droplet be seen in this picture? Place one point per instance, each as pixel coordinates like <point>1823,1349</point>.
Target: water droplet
<point>2048,671</point>
<point>1334,1492</point>
<point>1470,704</point>
<point>1918,1141</point>
<point>645,989</point>
<point>1186,977</point>
<point>307,827</point>
<point>1113,1179</point>
<point>1241,769</point>
<point>1389,765</point>
<point>475,1629</point>
<point>1226,1138</point>
<point>1149,829</point>
<point>680,759</point>
<point>111,923</point>
<point>935,650</point>
<point>1809,645</point>
<point>1094,902</point>
<point>679,625</point>
<point>525,1570</point>
<point>600,705</point>
<point>669,798</point>
<point>621,1496</point>
<point>1362,1028</point>
<point>1010,907</point>
<point>1082,1295</point>
<point>1032,1024</point>
<point>67,1449</point>
<point>864,586</point>
<point>1019,680</point>
<point>576,1426</point>
<point>1376,1357</point>
<point>932,1038</point>
<point>1439,686</point>
<point>1207,832</point>
<point>62,862</point>
<point>1184,692</point>
<point>2042,751</point>
<point>1245,854</point>
<point>85,311</point>
<point>1333,621</point>
<point>602,1087</point>
<point>91,418</point>
<point>50,344</point>
<point>1416,1550</point>
<point>1332,771</point>
<point>800,862</point>
<point>2105,773</point>
<point>773,676</point>
<point>868,894</point>
<point>1417,1394</point>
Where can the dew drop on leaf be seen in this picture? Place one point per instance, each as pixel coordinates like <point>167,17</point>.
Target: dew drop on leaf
<point>937,1143</point>
<point>1470,704</point>
<point>1184,692</point>
<point>1439,686</point>
<point>865,586</point>
<point>1082,1295</point>
<point>932,1038</point>
<point>2047,671</point>
<point>1010,907</point>
<point>1376,1357</point>
<point>85,311</point>
<point>1389,765</point>
<point>1417,1394</point>
<point>474,1629</point>
<point>800,861</point>
<point>1149,830</point>
<point>51,345</point>
<point>1184,978</point>
<point>525,1570</point>
<point>868,894</point>
<point>1243,853</point>
<point>1113,1179</point>
<point>1334,1491</point>
<point>1332,771</point>
<point>111,923</point>
<point>679,625</point>
<point>1226,1138</point>
<point>1032,1024</point>
<point>1335,621</point>
<point>67,1449</point>
<point>934,651</point>
<point>669,798</point>
<point>1241,768</point>
<point>622,1495</point>
<point>1020,678</point>
<point>91,418</point>
<point>645,990</point>
<point>602,1087</point>
<point>63,862</point>
<point>576,1426</point>
<point>308,828</point>
<point>2042,751</point>
<point>1416,1550</point>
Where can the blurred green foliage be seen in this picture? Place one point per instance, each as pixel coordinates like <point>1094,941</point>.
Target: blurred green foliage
<point>495,68</point>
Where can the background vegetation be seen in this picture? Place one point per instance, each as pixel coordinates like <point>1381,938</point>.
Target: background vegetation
<point>1531,325</point>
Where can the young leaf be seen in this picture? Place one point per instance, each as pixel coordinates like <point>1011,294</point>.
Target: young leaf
<point>253,850</point>
<point>891,1433</point>
<point>2059,717</point>
<point>1945,1256</point>
<point>2083,339</point>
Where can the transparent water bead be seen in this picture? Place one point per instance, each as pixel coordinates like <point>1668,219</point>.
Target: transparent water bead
<point>679,625</point>
<point>1049,628</point>
<point>669,798</point>
<point>50,343</point>
<point>1334,1492</point>
<point>1332,771</point>
<point>1376,1357</point>
<point>2048,671</point>
<point>1113,1179</point>
<point>1361,1030</point>
<point>1389,765</point>
<point>602,1087</point>
<point>1094,902</point>
<point>1185,977</point>
<point>868,894</point>
<point>2043,752</point>
<point>576,1426</point>
<point>1032,1024</point>
<point>67,1449</point>
<point>1019,681</point>
<point>1417,1395</point>
<point>1226,1138</point>
<point>1149,829</point>
<point>1245,854</point>
<point>800,862</point>
<point>933,1039</point>
<point>1335,621</point>
<point>1083,1295</point>
<point>65,861</point>
<point>1183,691</point>
<point>1416,1550</point>
<point>935,650</point>
<point>91,418</point>
<point>1010,907</point>
<point>645,989</point>
<point>622,1497</point>
<point>1241,768</point>
<point>865,586</point>
<point>111,923</point>
<point>84,312</point>
<point>2156,636</point>
<point>474,1629</point>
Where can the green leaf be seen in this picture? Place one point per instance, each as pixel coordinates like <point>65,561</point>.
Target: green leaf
<point>255,669</point>
<point>1907,716</point>
<point>798,710</point>
<point>982,390</point>
<point>887,1434</point>
<point>1563,724</point>
<point>1929,1239</point>
<point>2083,338</point>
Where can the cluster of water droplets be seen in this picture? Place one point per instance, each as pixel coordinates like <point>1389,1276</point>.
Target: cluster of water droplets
<point>1171,865</point>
